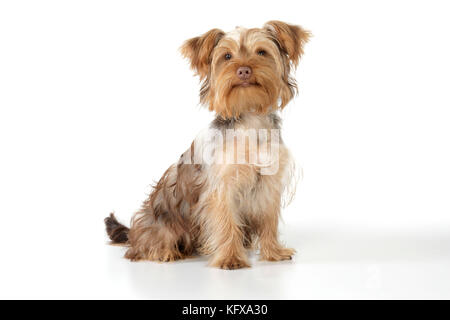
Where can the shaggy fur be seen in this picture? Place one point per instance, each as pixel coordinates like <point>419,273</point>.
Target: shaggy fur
<point>222,208</point>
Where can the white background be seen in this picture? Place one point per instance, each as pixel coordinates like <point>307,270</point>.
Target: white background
<point>96,102</point>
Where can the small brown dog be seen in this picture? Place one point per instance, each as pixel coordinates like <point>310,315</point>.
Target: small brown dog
<point>221,198</point>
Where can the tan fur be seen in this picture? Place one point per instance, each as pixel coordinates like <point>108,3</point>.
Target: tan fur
<point>221,209</point>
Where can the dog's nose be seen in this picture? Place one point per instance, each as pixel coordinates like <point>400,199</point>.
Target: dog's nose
<point>244,73</point>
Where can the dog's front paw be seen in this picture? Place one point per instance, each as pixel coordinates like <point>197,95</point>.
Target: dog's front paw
<point>230,263</point>
<point>277,254</point>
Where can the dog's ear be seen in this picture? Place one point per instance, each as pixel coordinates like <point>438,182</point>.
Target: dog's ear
<point>198,50</point>
<point>290,38</point>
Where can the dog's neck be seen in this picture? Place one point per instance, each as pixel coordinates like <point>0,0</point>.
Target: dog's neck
<point>248,120</point>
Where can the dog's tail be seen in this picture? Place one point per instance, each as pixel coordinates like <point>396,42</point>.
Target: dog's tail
<point>116,231</point>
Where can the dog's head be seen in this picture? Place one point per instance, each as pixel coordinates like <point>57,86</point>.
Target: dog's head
<point>247,70</point>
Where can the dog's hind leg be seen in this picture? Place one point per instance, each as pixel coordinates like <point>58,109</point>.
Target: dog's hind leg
<point>160,230</point>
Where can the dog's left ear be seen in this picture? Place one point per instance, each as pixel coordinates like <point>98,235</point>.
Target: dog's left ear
<point>290,38</point>
<point>198,50</point>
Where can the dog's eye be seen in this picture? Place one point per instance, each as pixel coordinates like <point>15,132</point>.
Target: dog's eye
<point>228,56</point>
<point>261,53</point>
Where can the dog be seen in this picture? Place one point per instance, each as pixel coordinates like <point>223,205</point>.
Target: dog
<point>215,207</point>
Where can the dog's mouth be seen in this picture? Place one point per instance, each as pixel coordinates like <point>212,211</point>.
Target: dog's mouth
<point>246,84</point>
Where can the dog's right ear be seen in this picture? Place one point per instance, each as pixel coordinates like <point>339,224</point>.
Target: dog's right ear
<point>198,50</point>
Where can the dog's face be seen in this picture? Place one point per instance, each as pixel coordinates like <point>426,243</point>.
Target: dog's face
<point>247,70</point>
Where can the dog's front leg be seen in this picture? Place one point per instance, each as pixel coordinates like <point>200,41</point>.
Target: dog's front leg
<point>270,247</point>
<point>229,251</point>
<point>225,233</point>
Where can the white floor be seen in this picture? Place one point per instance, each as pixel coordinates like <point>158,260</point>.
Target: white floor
<point>332,262</point>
